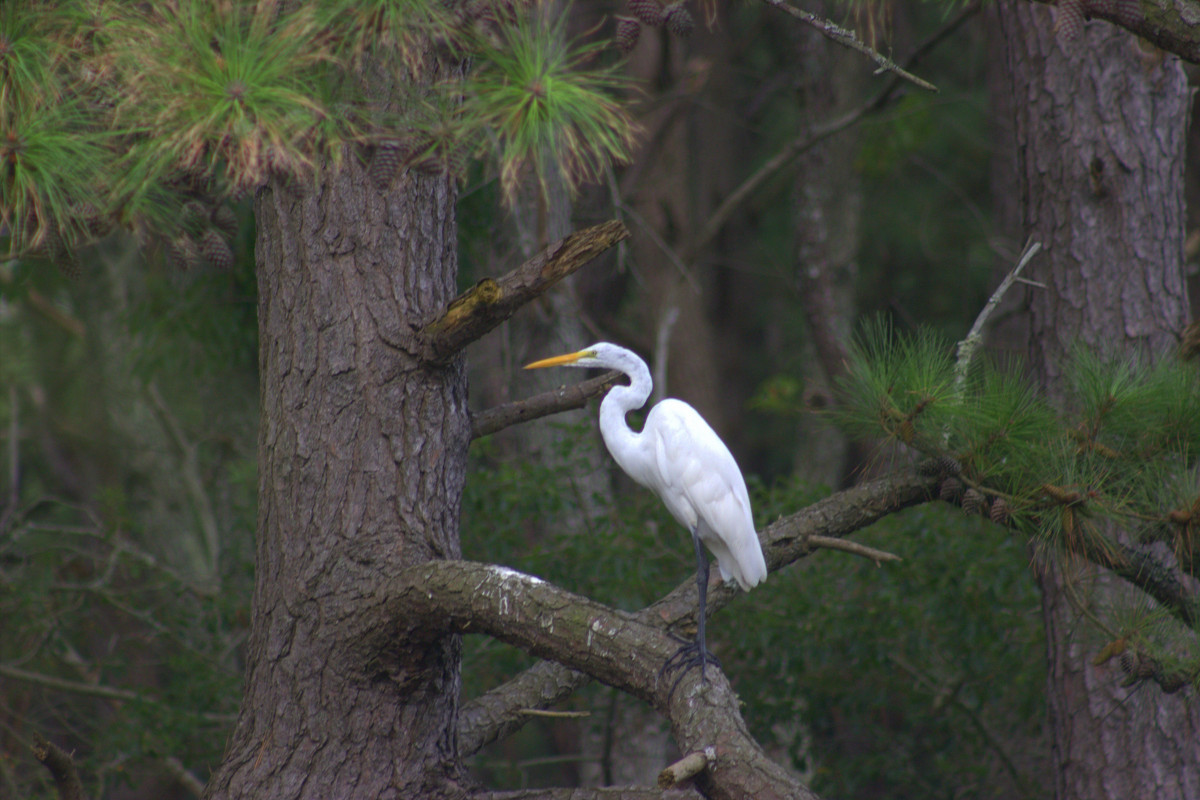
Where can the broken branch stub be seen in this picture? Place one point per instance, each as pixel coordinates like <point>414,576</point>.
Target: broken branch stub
<point>490,302</point>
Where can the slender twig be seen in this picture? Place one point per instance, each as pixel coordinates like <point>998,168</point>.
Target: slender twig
<point>847,546</point>
<point>541,712</point>
<point>76,687</point>
<point>186,778</point>
<point>847,38</point>
<point>96,690</point>
<point>14,458</point>
<point>974,338</point>
<point>667,250</point>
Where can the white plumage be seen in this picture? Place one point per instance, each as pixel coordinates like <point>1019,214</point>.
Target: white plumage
<point>680,458</point>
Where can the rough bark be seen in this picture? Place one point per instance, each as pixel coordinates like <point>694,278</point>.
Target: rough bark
<point>362,457</point>
<point>1099,131</point>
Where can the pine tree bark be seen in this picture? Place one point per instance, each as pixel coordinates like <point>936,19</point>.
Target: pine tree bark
<point>362,456</point>
<point>1099,133</point>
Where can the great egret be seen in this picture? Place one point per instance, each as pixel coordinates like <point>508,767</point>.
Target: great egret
<point>680,458</point>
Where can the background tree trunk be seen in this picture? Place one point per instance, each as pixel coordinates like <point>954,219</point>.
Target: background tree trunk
<point>362,459</point>
<point>1099,133</point>
<point>828,198</point>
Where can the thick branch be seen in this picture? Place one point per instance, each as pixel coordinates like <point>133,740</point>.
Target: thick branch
<point>490,302</point>
<point>564,398</point>
<point>1170,25</point>
<point>624,650</point>
<point>496,714</point>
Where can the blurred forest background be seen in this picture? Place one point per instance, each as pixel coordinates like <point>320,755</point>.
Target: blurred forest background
<point>128,415</point>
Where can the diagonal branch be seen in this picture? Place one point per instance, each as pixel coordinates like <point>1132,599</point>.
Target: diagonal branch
<point>490,302</point>
<point>847,38</point>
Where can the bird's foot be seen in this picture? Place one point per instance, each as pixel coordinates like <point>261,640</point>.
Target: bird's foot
<point>691,655</point>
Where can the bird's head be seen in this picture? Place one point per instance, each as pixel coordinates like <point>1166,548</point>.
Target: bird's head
<point>601,354</point>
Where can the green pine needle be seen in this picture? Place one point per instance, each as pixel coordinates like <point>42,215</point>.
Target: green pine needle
<point>210,87</point>
<point>536,99</point>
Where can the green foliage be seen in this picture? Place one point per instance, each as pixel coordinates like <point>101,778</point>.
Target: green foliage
<point>123,113</point>
<point>51,154</point>
<point>922,676</point>
<point>533,97</point>
<point>1118,450</point>
<point>205,85</point>
<point>99,580</point>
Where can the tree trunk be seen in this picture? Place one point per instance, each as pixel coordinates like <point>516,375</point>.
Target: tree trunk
<point>1099,127</point>
<point>361,463</point>
<point>828,199</point>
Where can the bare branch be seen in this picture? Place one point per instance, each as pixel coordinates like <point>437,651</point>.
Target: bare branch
<point>564,398</point>
<point>501,712</point>
<point>1169,25</point>
<point>61,767</point>
<point>831,543</point>
<point>186,778</point>
<point>95,690</point>
<point>490,302</point>
<point>847,38</point>
<point>974,338</point>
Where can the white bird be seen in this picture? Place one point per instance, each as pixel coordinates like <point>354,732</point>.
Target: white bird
<point>680,458</point>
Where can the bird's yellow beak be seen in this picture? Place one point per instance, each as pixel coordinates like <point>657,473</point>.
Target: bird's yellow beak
<point>558,361</point>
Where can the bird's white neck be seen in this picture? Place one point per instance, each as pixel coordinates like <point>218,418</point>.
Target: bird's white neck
<point>620,439</point>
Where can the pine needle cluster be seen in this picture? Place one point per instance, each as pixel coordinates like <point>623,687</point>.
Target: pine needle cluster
<point>541,103</point>
<point>1107,470</point>
<point>130,111</point>
<point>51,154</point>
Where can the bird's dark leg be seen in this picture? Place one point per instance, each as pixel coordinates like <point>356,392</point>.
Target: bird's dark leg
<point>695,652</point>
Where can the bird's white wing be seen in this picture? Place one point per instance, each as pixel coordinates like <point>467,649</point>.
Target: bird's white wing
<point>700,483</point>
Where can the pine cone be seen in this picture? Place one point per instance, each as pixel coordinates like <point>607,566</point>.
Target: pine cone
<point>225,220</point>
<point>389,155</point>
<point>678,20</point>
<point>999,513</point>
<point>182,253</point>
<point>950,489</point>
<point>89,215</point>
<point>1068,22</point>
<point>628,30</point>
<point>63,256</point>
<point>972,501</point>
<point>216,250</point>
<point>648,11</point>
<point>949,465</point>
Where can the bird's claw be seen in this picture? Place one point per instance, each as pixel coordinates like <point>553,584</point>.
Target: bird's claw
<point>687,658</point>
